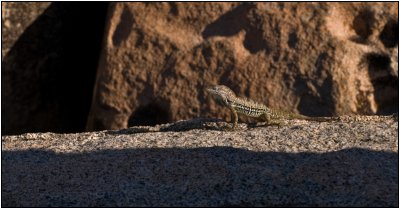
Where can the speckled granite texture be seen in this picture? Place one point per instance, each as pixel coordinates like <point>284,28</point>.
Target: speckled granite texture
<point>192,163</point>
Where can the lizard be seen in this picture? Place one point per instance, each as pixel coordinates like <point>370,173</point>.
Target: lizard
<point>226,97</point>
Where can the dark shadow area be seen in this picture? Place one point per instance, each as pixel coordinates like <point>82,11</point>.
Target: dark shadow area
<point>322,98</point>
<point>308,101</point>
<point>363,23</point>
<point>124,27</point>
<point>185,125</point>
<point>292,40</point>
<point>232,22</point>
<point>390,34</point>
<point>49,73</point>
<point>386,85</point>
<point>199,177</point>
<point>149,115</point>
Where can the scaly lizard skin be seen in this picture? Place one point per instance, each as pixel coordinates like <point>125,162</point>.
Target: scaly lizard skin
<point>228,98</point>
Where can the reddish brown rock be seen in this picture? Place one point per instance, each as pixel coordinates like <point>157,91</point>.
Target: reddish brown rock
<point>312,58</point>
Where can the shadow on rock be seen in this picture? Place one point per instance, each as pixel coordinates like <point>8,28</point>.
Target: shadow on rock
<point>199,177</point>
<point>185,125</point>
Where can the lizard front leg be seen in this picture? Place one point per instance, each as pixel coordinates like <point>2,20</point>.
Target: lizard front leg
<point>234,117</point>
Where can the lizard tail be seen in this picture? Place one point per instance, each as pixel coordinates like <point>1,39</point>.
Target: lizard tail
<point>319,119</point>
<point>290,115</point>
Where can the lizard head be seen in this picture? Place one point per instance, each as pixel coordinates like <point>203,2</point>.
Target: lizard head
<point>222,94</point>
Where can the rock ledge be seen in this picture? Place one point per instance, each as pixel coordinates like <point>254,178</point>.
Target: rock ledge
<point>350,163</point>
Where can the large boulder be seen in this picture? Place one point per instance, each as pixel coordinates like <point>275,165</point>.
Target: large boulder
<point>317,59</point>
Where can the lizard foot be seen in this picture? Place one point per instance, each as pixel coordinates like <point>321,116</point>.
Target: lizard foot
<point>279,124</point>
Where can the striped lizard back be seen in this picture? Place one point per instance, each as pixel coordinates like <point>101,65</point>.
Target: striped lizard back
<point>248,107</point>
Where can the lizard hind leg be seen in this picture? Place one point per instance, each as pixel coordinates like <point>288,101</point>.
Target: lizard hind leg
<point>269,121</point>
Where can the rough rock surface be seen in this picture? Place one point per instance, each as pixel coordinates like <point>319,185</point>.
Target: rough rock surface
<point>313,58</point>
<point>49,60</point>
<point>349,163</point>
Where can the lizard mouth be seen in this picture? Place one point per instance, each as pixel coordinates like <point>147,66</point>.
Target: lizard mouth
<point>209,90</point>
